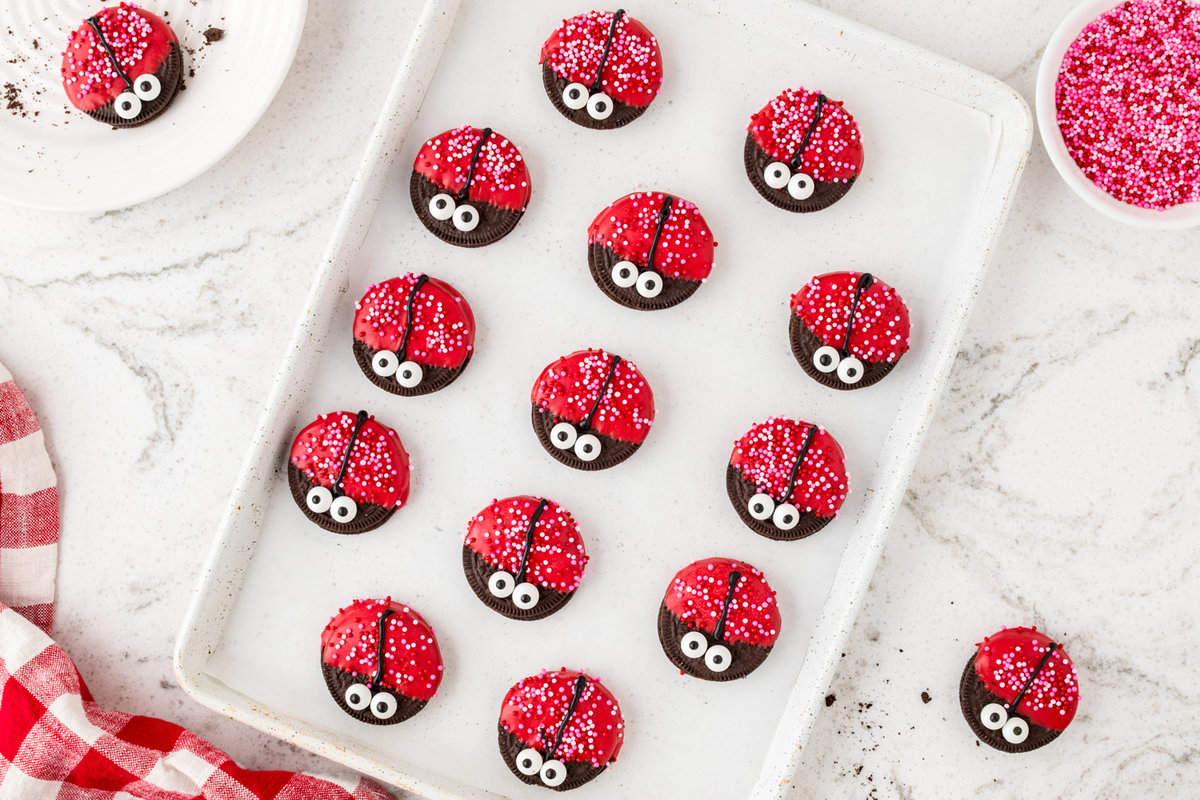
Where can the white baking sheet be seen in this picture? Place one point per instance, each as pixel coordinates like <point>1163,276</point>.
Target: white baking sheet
<point>943,149</point>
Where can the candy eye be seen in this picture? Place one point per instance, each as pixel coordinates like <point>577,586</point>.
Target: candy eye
<point>776,175</point>
<point>786,516</point>
<point>501,584</point>
<point>624,274</point>
<point>553,772</point>
<point>441,206</point>
<point>599,106</point>
<point>693,644</point>
<point>761,506</point>
<point>1016,730</point>
<point>563,436</point>
<point>343,510</point>
<point>319,499</point>
<point>826,359</point>
<point>525,596</point>
<point>127,105</point>
<point>384,363</point>
<point>409,374</point>
<point>801,186</point>
<point>147,87</point>
<point>383,706</point>
<point>718,658</point>
<point>649,284</point>
<point>358,696</point>
<point>575,96</point>
<point>587,447</point>
<point>529,761</point>
<point>993,716</point>
<point>466,218</point>
<point>850,370</point>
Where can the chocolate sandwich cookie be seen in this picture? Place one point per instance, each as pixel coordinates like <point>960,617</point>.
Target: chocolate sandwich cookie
<point>650,250</point>
<point>718,620</point>
<point>591,409</point>
<point>803,151</point>
<point>786,478</point>
<point>1019,691</point>
<point>380,660</point>
<point>122,66</point>
<point>413,334</point>
<point>601,69</point>
<point>524,557</point>
<point>347,472</point>
<point>560,729</point>
<point>848,329</point>
<point>469,186</point>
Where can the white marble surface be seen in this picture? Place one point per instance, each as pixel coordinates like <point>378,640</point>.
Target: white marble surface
<point>1057,487</point>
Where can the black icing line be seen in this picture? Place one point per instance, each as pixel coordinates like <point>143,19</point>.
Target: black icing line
<point>402,351</point>
<point>663,214</point>
<point>586,423</point>
<point>1012,707</point>
<point>464,192</point>
<point>112,56</point>
<point>537,513</point>
<point>808,134</point>
<point>378,679</point>
<point>735,578</point>
<point>612,29</point>
<point>580,683</point>
<point>358,423</point>
<point>864,282</point>
<point>808,440</point>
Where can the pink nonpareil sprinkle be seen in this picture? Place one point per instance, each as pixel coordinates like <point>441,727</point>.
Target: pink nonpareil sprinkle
<point>1128,99</point>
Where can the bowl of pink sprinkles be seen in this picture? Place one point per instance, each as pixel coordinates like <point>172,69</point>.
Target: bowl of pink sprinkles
<point>1118,106</point>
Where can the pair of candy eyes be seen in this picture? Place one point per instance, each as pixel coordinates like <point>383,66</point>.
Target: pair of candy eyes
<point>995,718</point>
<point>649,283</point>
<point>408,374</point>
<point>524,595</point>
<point>565,437</point>
<point>777,175</point>
<point>717,657</point>
<point>552,772</point>
<point>145,88</point>
<point>599,105</point>
<point>442,207</point>
<point>320,500</point>
<point>383,705</point>
<point>762,507</point>
<point>827,359</point>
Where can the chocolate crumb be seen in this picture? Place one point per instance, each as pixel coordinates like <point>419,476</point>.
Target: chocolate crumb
<point>830,699</point>
<point>925,698</point>
<point>36,45</point>
<point>213,34</point>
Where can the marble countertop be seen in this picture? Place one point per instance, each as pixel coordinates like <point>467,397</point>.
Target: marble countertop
<point>1056,488</point>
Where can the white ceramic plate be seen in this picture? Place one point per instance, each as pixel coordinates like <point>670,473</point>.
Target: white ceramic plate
<point>56,157</point>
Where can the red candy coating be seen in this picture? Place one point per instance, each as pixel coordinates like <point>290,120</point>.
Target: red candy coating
<point>501,178</point>
<point>697,596</point>
<point>834,153</point>
<point>685,248</point>
<point>535,706</point>
<point>1004,662</point>
<point>568,388</point>
<point>141,40</point>
<point>633,71</point>
<point>412,661</point>
<point>557,556</point>
<point>767,452</point>
<point>378,468</point>
<point>443,330</point>
<point>881,328</point>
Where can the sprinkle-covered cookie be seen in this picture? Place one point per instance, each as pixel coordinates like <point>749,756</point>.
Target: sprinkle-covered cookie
<point>347,472</point>
<point>787,478</point>
<point>524,557</point>
<point>803,151</point>
<point>592,409</point>
<point>469,186</point>
<point>413,334</point>
<point>601,69</point>
<point>1019,691</point>
<point>560,729</point>
<point>380,660</point>
<point>122,66</point>
<point>650,250</point>
<point>848,329</point>
<point>719,619</point>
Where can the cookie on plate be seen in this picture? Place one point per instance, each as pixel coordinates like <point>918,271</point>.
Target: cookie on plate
<point>650,250</point>
<point>560,729</point>
<point>347,472</point>
<point>803,151</point>
<point>380,660</point>
<point>718,620</point>
<point>1019,691</point>
<point>601,69</point>
<point>786,478</point>
<point>413,334</point>
<point>848,329</point>
<point>122,66</point>
<point>469,186</point>
<point>591,410</point>
<point>524,556</point>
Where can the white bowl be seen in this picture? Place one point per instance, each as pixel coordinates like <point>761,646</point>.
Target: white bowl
<point>1181,216</point>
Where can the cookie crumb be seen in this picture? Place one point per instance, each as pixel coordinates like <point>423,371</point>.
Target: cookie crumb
<point>213,34</point>
<point>830,699</point>
<point>925,698</point>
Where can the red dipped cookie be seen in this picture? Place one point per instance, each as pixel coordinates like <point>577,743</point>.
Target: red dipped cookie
<point>560,729</point>
<point>469,186</point>
<point>803,151</point>
<point>718,620</point>
<point>380,660</point>
<point>591,409</point>
<point>524,557</point>
<point>413,334</point>
<point>122,66</point>
<point>347,472</point>
<point>1019,691</point>
<point>787,478</point>
<point>650,250</point>
<point>601,69</point>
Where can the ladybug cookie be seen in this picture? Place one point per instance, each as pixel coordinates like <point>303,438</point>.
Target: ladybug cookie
<point>347,472</point>
<point>592,409</point>
<point>122,66</point>
<point>469,186</point>
<point>848,329</point>
<point>524,557</point>
<point>380,660</point>
<point>601,69</point>
<point>413,334</point>
<point>786,478</point>
<point>803,151</point>
<point>650,250</point>
<point>1019,691</point>
<point>560,729</point>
